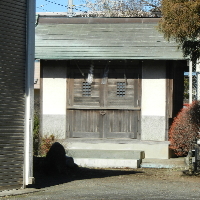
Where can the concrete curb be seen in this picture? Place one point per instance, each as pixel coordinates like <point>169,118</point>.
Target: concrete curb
<point>15,192</point>
<point>164,163</point>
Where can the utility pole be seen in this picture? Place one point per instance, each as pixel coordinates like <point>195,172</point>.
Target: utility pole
<point>70,8</point>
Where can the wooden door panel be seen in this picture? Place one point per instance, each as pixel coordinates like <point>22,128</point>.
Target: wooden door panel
<point>109,110</point>
<point>81,99</point>
<point>129,97</point>
<point>122,124</point>
<point>84,124</point>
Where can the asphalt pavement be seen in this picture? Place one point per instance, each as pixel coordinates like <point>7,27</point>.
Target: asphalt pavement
<point>100,184</point>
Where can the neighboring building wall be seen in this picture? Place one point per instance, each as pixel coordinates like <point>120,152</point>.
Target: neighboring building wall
<point>153,123</point>
<point>37,87</point>
<point>16,53</point>
<point>37,101</point>
<point>37,75</point>
<point>53,96</point>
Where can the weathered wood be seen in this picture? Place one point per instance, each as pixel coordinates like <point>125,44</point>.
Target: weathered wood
<point>114,135</point>
<point>104,113</point>
<point>68,119</point>
<point>86,121</point>
<point>85,135</point>
<point>118,107</point>
<point>122,122</point>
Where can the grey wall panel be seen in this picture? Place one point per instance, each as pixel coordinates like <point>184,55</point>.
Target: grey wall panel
<point>12,92</point>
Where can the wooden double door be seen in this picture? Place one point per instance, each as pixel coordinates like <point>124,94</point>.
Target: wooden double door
<point>105,106</point>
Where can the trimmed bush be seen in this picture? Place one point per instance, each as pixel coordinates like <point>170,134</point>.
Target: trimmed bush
<point>185,129</point>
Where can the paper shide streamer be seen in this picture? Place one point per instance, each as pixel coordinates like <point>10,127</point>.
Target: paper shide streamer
<point>105,75</point>
<point>90,74</point>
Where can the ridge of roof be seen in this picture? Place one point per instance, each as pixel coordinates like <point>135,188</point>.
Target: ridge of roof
<point>55,19</point>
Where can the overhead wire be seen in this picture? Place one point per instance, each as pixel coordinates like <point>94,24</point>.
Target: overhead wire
<point>74,7</point>
<point>85,8</point>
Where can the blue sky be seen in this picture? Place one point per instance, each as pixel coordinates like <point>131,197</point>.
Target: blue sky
<point>57,5</point>
<point>62,5</point>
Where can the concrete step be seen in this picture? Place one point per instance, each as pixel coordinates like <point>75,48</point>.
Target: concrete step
<point>164,163</point>
<point>108,163</point>
<point>106,154</point>
<point>106,158</point>
<point>158,149</point>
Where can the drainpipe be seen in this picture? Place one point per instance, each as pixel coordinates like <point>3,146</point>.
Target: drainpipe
<point>29,94</point>
<point>190,81</point>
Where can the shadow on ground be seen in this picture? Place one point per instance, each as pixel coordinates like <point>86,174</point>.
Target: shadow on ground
<point>43,180</point>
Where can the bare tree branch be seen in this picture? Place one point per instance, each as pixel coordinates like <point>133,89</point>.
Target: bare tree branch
<point>123,8</point>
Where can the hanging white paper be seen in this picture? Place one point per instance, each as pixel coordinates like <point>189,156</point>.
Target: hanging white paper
<point>90,75</point>
<point>105,76</point>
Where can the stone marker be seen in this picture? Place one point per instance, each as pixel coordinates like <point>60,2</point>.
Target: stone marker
<point>55,159</point>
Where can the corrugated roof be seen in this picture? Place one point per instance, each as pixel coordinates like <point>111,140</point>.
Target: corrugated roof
<point>102,38</point>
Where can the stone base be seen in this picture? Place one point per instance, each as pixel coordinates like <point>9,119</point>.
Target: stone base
<point>107,163</point>
<point>115,153</point>
<point>106,158</point>
<point>31,180</point>
<point>152,149</point>
<point>164,163</point>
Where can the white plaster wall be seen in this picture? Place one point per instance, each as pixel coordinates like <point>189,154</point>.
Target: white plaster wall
<point>153,88</point>
<point>54,96</point>
<point>54,101</point>
<point>153,107</point>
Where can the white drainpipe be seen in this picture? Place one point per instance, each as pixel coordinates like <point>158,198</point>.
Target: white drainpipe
<point>29,94</point>
<point>190,81</point>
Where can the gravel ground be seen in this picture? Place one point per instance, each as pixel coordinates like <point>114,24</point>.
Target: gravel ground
<point>96,184</point>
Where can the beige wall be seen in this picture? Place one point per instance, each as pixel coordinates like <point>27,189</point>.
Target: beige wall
<point>53,100</point>
<point>37,75</point>
<point>153,109</point>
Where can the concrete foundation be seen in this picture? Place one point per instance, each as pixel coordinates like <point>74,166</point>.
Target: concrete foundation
<point>106,158</point>
<point>107,163</point>
<point>51,126</point>
<point>155,125</point>
<point>151,149</point>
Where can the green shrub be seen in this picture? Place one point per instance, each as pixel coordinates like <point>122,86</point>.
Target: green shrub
<point>41,145</point>
<point>185,129</point>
